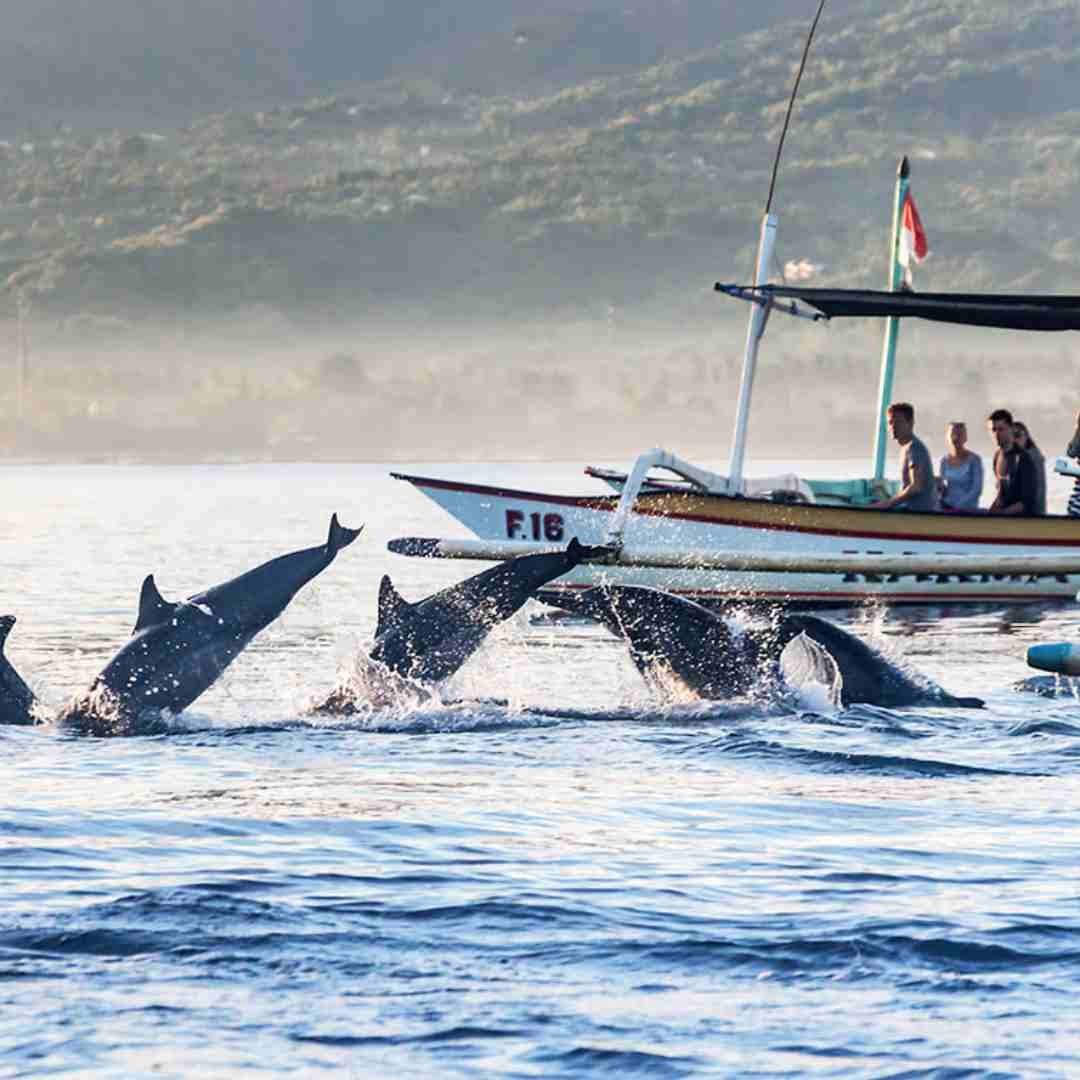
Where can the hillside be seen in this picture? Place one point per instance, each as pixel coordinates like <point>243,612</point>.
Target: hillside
<point>597,165</point>
<point>627,188</point>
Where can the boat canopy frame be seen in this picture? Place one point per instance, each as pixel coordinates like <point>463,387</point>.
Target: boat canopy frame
<point>1001,311</point>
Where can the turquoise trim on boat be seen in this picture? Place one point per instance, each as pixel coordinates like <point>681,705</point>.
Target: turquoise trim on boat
<point>858,492</point>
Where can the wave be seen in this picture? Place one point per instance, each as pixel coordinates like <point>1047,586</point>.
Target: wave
<point>604,1061</point>
<point>1045,727</point>
<point>460,1033</point>
<point>741,744</point>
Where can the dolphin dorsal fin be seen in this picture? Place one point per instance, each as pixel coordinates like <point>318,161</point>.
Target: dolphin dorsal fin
<point>391,605</point>
<point>6,623</point>
<point>153,607</point>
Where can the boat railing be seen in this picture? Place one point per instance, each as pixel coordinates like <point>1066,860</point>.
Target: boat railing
<point>699,479</point>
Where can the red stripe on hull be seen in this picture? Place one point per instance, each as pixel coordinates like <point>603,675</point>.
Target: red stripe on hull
<point>607,504</point>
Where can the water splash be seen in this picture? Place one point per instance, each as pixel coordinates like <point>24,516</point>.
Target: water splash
<point>811,674</point>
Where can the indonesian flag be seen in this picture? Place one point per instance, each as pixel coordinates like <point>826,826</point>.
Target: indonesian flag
<point>913,243</point>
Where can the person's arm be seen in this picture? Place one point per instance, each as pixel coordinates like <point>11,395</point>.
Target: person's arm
<point>1027,503</point>
<point>1073,449</point>
<point>942,480</point>
<point>918,483</point>
<point>999,483</point>
<point>1029,485</point>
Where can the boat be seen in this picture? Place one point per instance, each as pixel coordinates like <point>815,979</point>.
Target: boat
<point>815,542</point>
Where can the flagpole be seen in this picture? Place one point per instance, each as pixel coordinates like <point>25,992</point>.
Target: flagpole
<point>892,325</point>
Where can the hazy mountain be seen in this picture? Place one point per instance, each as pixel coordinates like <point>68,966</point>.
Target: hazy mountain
<point>165,60</point>
<point>330,229</point>
<point>492,161</point>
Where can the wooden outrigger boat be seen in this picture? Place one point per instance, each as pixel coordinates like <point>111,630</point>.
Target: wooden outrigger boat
<point>726,538</point>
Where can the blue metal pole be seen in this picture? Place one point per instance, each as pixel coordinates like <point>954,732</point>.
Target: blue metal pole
<point>888,350</point>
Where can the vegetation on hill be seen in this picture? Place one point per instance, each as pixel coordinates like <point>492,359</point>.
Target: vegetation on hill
<point>416,168</point>
<point>625,188</point>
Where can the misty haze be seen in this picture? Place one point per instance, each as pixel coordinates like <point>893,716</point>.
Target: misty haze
<point>269,230</point>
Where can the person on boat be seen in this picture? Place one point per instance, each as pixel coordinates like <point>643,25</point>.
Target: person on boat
<point>960,471</point>
<point>917,488</point>
<point>1073,451</point>
<point>1022,438</point>
<point>1014,471</point>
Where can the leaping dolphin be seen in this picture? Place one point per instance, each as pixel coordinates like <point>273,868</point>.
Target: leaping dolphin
<point>178,650</point>
<point>669,634</point>
<point>428,641</point>
<point>16,698</point>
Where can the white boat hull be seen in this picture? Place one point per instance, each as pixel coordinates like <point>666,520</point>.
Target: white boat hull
<point>727,524</point>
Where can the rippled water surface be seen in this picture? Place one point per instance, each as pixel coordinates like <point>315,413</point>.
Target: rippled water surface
<point>564,878</point>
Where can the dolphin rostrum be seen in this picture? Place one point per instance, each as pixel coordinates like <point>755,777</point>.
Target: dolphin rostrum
<point>16,698</point>
<point>669,635</point>
<point>427,641</point>
<point>178,650</point>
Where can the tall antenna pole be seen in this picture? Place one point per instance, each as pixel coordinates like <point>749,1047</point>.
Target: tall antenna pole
<point>759,313</point>
<point>791,105</point>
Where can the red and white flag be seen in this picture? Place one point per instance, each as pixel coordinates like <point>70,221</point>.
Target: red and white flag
<point>913,245</point>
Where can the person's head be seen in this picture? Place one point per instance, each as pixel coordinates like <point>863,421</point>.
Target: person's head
<point>956,435</point>
<point>1022,437</point>
<point>1000,423</point>
<point>901,421</point>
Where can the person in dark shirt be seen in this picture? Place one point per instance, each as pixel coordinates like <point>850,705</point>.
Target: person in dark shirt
<point>1026,444</point>
<point>1014,470</point>
<point>1073,451</point>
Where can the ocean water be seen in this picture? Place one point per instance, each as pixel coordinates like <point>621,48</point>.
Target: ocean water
<point>557,876</point>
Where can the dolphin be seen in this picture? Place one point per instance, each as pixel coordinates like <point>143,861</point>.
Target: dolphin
<point>868,676</point>
<point>16,698</point>
<point>423,643</point>
<point>178,650</point>
<point>1050,686</point>
<point>671,635</point>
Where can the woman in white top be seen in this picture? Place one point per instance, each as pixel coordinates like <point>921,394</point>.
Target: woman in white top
<point>960,471</point>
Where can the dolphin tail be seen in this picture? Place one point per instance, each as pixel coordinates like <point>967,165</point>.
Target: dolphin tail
<point>6,623</point>
<point>964,702</point>
<point>339,536</point>
<point>577,552</point>
<point>594,602</point>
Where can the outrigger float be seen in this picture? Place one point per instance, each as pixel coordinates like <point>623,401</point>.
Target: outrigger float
<point>784,538</point>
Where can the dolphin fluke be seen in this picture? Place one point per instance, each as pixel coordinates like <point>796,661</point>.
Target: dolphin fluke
<point>340,536</point>
<point>963,702</point>
<point>578,552</point>
<point>16,698</point>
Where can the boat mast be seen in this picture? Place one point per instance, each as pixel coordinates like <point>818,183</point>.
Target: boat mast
<point>759,313</point>
<point>892,324</point>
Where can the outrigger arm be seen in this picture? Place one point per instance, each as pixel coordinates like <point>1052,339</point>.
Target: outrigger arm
<point>659,557</point>
<point>656,459</point>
